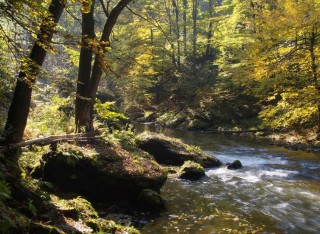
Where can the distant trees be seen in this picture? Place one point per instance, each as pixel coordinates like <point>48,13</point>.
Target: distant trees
<point>174,55</point>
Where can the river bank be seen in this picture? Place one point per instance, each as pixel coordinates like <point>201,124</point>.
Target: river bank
<point>305,140</point>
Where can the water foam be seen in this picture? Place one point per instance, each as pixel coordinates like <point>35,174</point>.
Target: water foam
<point>252,175</point>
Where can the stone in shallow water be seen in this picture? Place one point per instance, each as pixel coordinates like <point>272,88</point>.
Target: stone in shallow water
<point>235,165</point>
<point>150,200</point>
<point>191,171</point>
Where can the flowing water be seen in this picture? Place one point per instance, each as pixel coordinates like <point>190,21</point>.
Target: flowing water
<point>276,191</point>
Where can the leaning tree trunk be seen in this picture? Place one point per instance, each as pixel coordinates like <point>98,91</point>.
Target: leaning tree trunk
<point>82,118</point>
<point>20,105</point>
<point>99,65</point>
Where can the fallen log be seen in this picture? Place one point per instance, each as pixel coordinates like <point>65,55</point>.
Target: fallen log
<point>52,139</point>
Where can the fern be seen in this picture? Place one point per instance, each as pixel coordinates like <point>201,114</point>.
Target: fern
<point>4,190</point>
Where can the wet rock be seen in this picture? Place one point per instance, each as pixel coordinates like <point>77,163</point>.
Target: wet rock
<point>171,151</point>
<point>235,165</point>
<point>150,200</point>
<point>191,171</point>
<point>39,228</point>
<point>101,172</point>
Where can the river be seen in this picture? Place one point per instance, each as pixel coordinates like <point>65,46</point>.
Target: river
<point>276,191</point>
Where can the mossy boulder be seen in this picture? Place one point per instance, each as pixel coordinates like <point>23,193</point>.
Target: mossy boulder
<point>191,171</point>
<point>101,172</point>
<point>150,200</point>
<point>39,228</point>
<point>171,151</point>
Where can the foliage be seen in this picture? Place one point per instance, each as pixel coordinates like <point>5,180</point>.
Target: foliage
<point>50,118</point>
<point>294,110</point>
<point>107,112</point>
<point>4,190</point>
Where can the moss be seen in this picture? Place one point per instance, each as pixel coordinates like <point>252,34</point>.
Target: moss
<point>31,159</point>
<point>112,174</point>
<point>39,228</point>
<point>191,170</point>
<point>171,151</point>
<point>81,206</point>
<point>84,208</point>
<point>151,200</point>
<point>109,226</point>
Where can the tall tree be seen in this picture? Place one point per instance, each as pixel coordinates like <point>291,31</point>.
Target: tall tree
<point>84,114</point>
<point>85,65</point>
<point>29,70</point>
<point>185,8</point>
<point>177,31</point>
<point>194,36</point>
<point>209,34</point>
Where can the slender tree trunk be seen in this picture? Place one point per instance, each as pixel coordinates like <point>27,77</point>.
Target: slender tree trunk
<point>209,34</point>
<point>82,118</point>
<point>314,68</point>
<point>20,105</point>
<point>173,57</point>
<point>99,65</point>
<point>176,9</point>
<point>185,8</point>
<point>194,39</point>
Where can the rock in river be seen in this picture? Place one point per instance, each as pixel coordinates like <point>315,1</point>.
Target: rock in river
<point>101,172</point>
<point>171,151</point>
<point>191,171</point>
<point>235,165</point>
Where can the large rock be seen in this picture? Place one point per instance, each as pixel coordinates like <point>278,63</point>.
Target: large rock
<point>191,171</point>
<point>150,200</point>
<point>101,171</point>
<point>170,151</point>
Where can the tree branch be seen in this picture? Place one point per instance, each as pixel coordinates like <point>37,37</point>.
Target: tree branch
<point>52,139</point>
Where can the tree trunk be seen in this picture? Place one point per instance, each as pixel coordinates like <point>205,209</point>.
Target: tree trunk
<point>314,68</point>
<point>20,105</point>
<point>176,9</point>
<point>209,35</point>
<point>83,118</point>
<point>185,8</point>
<point>173,57</point>
<point>99,66</point>
<point>194,39</point>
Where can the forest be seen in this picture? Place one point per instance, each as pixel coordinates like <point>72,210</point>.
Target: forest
<point>79,79</point>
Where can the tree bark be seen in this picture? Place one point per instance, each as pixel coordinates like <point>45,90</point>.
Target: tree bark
<point>194,39</point>
<point>83,118</point>
<point>209,35</point>
<point>314,68</point>
<point>99,66</point>
<point>173,56</point>
<point>185,8</point>
<point>20,105</point>
<point>176,9</point>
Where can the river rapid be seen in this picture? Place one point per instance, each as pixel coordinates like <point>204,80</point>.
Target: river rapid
<point>276,191</point>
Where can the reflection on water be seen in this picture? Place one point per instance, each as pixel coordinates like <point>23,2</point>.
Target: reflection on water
<point>276,191</point>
